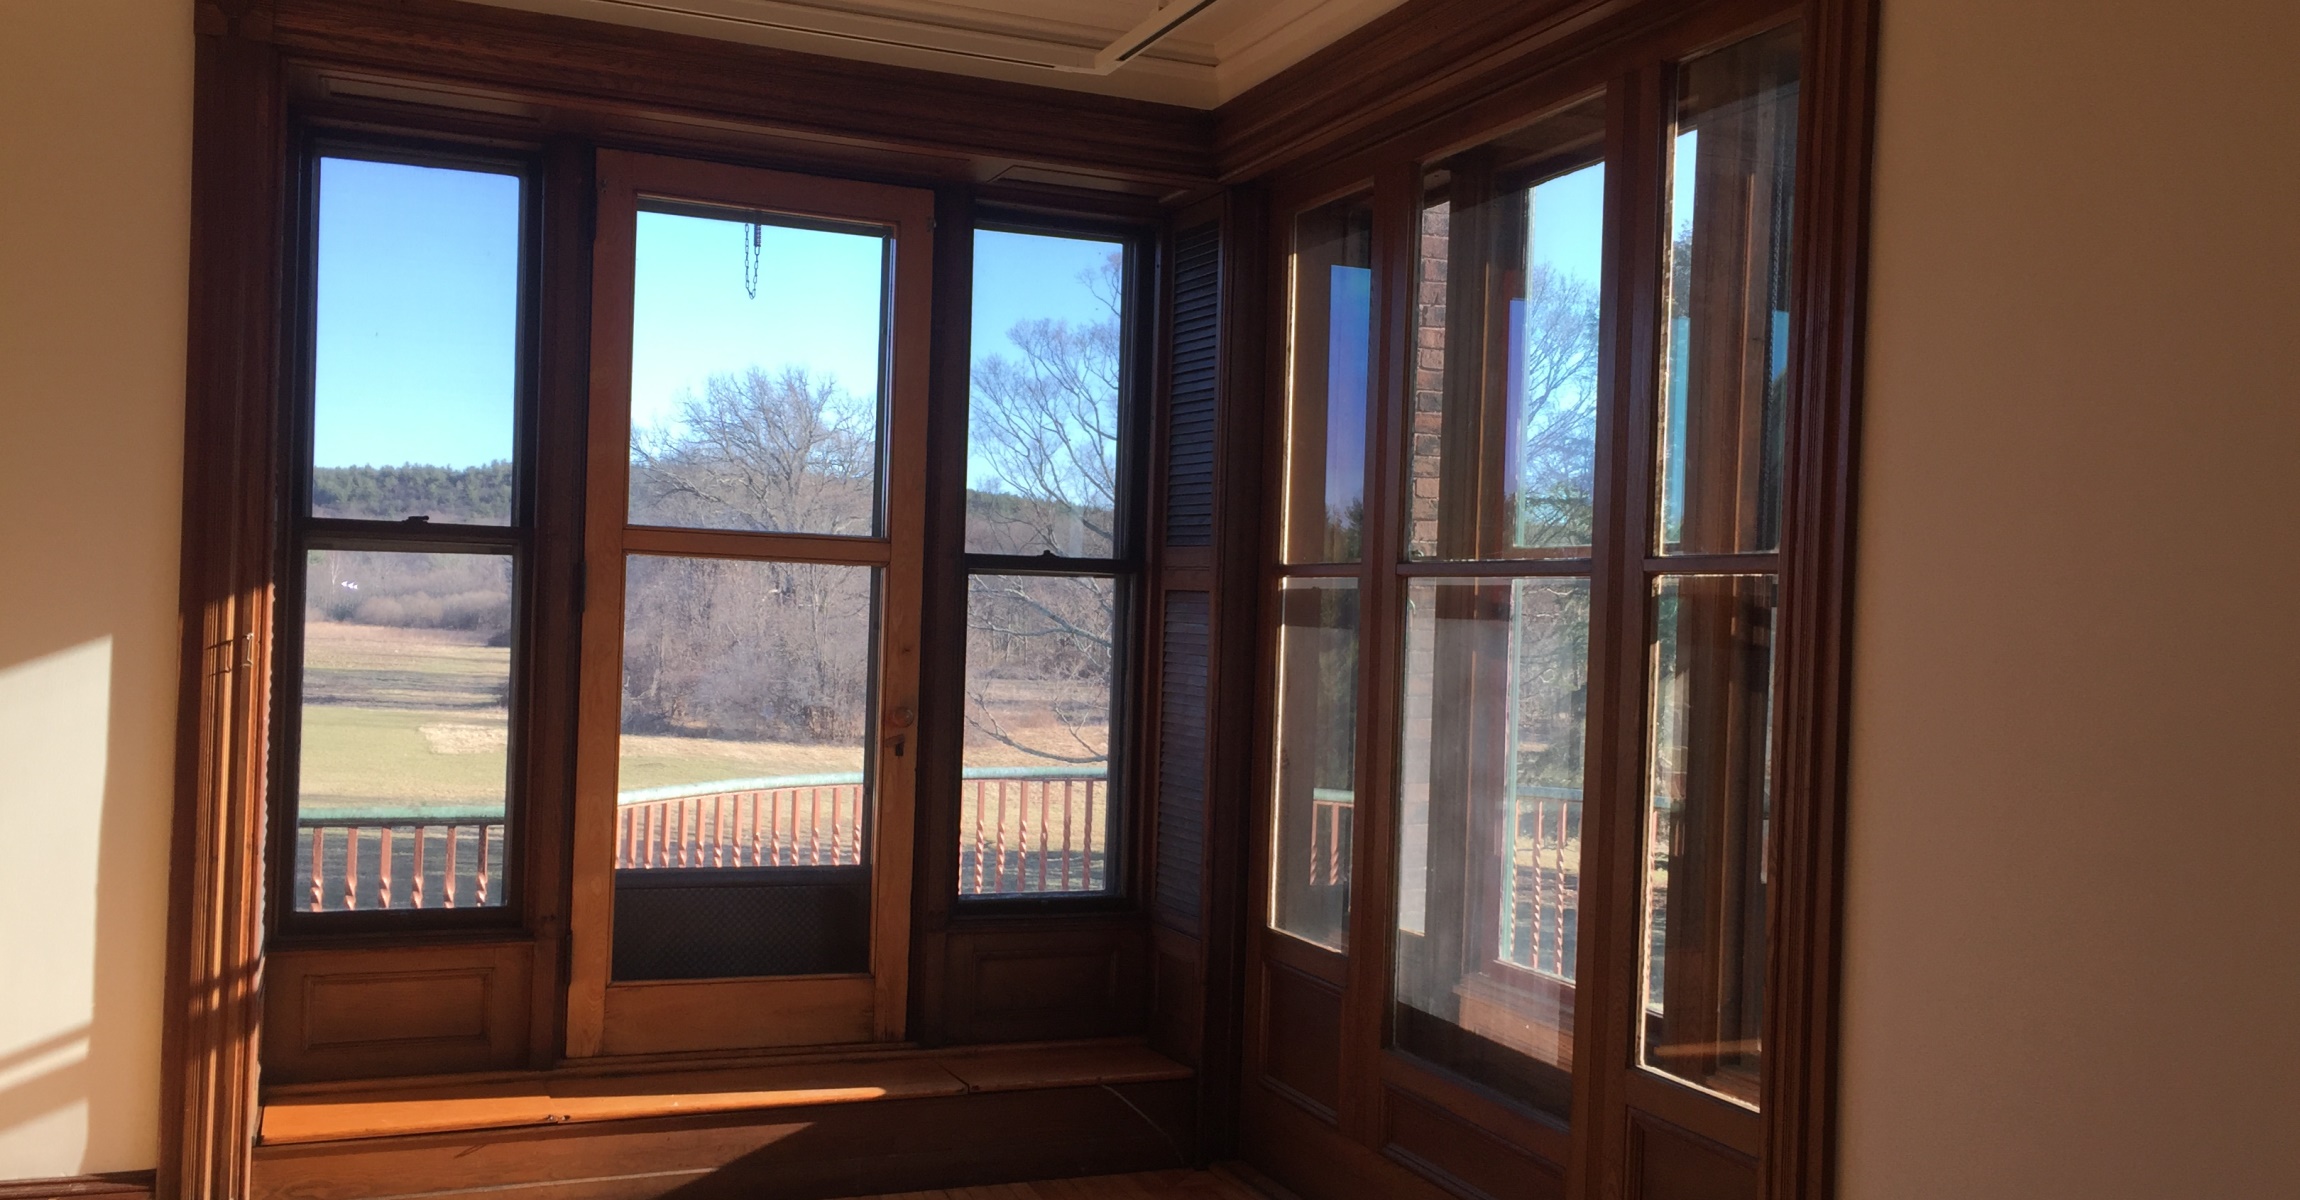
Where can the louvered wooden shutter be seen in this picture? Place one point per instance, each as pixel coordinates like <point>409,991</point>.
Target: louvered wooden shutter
<point>1190,417</point>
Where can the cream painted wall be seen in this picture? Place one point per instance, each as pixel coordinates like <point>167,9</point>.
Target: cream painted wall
<point>2074,962</point>
<point>95,160</point>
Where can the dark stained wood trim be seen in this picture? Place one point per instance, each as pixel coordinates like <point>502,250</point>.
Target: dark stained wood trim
<point>590,65</point>
<point>215,905</point>
<point>1419,58</point>
<point>114,1185</point>
<point>1613,821</point>
<point>1233,664</point>
<point>942,627</point>
<point>1829,282</point>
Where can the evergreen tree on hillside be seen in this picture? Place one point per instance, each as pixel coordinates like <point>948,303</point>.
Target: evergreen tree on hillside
<point>478,495</point>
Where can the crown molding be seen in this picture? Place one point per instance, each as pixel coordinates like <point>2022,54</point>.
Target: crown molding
<point>1213,55</point>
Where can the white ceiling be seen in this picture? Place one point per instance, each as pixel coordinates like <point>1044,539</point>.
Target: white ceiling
<point>1220,51</point>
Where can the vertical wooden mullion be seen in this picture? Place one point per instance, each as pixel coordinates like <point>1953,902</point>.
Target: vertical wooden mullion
<point>1607,1002</point>
<point>1828,301</point>
<point>216,874</point>
<point>554,572</point>
<point>600,676</point>
<point>1365,1002</point>
<point>1235,665</point>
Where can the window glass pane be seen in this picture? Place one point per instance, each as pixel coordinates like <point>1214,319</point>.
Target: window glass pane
<point>742,834</point>
<point>1733,173</point>
<point>1708,821</point>
<point>1332,332</point>
<point>415,356</point>
<point>1317,759</point>
<point>1504,439</point>
<point>1042,427</point>
<point>1489,835</point>
<point>757,355</point>
<point>1035,802</point>
<point>402,753</point>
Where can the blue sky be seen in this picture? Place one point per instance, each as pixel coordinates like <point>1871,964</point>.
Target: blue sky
<point>1024,277</point>
<point>418,317</point>
<point>1568,215</point>
<point>693,317</point>
<point>418,309</point>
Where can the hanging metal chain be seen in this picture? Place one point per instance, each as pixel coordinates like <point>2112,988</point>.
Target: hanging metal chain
<point>751,255</point>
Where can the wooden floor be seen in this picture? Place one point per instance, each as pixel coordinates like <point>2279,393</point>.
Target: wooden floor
<point>1149,1185</point>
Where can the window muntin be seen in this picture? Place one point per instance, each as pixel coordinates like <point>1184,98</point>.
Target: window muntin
<point>401,620</point>
<point>1048,574</point>
<point>1501,471</point>
<point>756,359</point>
<point>1328,384</point>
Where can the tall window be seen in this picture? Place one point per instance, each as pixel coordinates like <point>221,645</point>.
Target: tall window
<point>1502,474</point>
<point>1048,563</point>
<point>1330,332</point>
<point>1526,595</point>
<point>409,521</point>
<point>1714,589</point>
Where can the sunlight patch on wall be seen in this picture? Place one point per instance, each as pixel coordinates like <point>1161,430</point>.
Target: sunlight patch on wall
<point>54,729</point>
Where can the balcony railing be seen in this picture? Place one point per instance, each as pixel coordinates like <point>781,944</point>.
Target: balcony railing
<point>1023,831</point>
<point>413,857</point>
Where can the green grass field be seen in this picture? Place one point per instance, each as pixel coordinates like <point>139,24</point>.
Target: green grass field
<point>416,718</point>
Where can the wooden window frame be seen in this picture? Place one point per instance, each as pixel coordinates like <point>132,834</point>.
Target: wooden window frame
<point>301,531</point>
<point>1141,247</point>
<point>553,85</point>
<point>1621,1108</point>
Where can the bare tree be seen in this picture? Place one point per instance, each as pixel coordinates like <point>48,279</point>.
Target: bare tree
<point>1043,429</point>
<point>1557,467</point>
<point>753,649</point>
<point>787,453</point>
<point>1043,438</point>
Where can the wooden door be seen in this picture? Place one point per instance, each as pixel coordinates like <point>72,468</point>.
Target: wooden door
<point>749,683</point>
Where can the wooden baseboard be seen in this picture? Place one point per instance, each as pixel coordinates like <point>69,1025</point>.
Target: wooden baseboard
<point>114,1185</point>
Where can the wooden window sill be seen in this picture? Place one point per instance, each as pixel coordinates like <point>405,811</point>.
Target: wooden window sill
<point>329,1113</point>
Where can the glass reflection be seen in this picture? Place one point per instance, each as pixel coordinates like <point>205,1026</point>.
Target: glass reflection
<point>1733,176</point>
<point>1503,452</point>
<point>1706,830</point>
<point>1327,383</point>
<point>1317,760</point>
<point>1489,838</point>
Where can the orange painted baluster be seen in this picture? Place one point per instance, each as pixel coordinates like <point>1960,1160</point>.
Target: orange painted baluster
<point>318,848</point>
<point>383,868</point>
<point>415,884</point>
<point>479,877</point>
